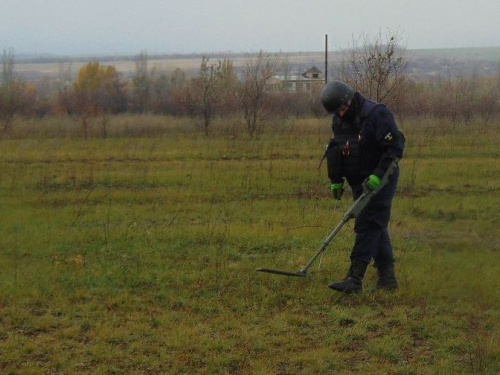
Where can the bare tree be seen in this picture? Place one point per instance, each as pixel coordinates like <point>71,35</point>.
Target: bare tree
<point>208,82</point>
<point>11,92</point>
<point>141,84</point>
<point>253,86</point>
<point>462,97</point>
<point>177,100</point>
<point>376,68</point>
<point>209,92</point>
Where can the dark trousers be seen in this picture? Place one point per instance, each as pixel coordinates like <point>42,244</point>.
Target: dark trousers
<point>370,226</point>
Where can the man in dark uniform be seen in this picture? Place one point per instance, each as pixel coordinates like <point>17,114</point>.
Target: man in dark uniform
<point>366,143</point>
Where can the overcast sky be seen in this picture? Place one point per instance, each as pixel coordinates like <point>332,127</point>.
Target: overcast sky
<point>73,27</point>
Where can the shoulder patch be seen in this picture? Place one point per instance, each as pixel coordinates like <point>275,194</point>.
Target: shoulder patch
<point>389,137</point>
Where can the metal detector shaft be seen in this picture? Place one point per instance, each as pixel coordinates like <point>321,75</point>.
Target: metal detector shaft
<point>352,212</point>
<point>360,203</point>
<point>325,244</point>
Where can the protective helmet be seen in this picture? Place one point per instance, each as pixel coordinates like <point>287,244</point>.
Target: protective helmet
<point>335,94</point>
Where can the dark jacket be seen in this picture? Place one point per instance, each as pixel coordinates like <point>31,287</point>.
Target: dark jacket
<point>364,143</point>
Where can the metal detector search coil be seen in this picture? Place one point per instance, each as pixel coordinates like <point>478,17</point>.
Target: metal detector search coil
<point>301,273</point>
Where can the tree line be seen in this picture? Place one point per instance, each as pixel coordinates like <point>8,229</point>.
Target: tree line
<point>375,67</point>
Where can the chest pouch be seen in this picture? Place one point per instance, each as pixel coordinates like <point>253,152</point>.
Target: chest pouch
<point>343,157</point>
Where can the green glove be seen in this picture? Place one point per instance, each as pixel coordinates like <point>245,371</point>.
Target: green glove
<point>337,190</point>
<point>372,182</point>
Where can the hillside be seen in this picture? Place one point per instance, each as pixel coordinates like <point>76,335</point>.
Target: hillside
<point>462,61</point>
<point>423,63</point>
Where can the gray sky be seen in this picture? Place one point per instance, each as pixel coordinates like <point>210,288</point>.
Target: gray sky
<point>72,27</point>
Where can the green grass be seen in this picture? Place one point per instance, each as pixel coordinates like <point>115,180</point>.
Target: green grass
<point>137,256</point>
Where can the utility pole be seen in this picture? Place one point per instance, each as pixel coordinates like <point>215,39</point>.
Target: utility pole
<point>326,59</point>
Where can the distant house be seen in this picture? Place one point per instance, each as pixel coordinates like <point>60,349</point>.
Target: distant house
<point>313,74</point>
<point>305,82</point>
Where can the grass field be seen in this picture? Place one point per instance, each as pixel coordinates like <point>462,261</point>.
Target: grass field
<point>137,255</point>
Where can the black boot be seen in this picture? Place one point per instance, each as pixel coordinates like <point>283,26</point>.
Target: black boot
<point>386,277</point>
<point>353,281</point>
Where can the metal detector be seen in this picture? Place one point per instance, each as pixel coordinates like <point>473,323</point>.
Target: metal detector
<point>351,213</point>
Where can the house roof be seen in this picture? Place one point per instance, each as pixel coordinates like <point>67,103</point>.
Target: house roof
<point>301,77</point>
<point>313,70</point>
